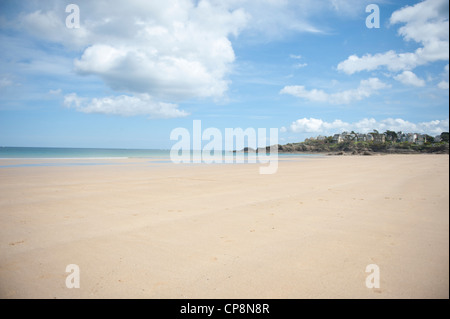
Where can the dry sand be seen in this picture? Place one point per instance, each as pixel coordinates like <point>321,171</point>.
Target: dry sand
<point>140,230</point>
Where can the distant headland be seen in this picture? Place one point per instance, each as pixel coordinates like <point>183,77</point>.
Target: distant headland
<point>353,143</point>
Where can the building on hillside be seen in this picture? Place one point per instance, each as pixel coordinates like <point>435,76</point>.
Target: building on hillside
<point>379,138</point>
<point>409,137</point>
<point>364,137</point>
<point>338,138</point>
<point>413,138</point>
<point>421,139</point>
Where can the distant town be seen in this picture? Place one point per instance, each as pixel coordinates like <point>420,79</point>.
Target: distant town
<point>388,136</point>
<point>353,143</point>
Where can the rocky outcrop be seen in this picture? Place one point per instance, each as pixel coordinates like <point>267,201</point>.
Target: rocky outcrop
<point>366,149</point>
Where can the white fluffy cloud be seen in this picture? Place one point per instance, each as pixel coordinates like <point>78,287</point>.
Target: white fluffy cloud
<point>443,85</point>
<point>425,23</point>
<point>392,60</point>
<point>409,78</point>
<point>365,89</point>
<point>124,105</point>
<point>164,50</point>
<point>171,50</point>
<point>300,91</point>
<point>312,125</point>
<point>177,51</point>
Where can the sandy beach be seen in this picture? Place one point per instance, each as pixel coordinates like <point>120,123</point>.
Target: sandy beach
<point>159,230</point>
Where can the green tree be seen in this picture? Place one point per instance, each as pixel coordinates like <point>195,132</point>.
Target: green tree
<point>391,135</point>
<point>445,136</point>
<point>429,139</point>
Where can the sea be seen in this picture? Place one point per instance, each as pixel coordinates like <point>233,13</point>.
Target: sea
<point>52,154</point>
<point>91,153</point>
<point>94,153</point>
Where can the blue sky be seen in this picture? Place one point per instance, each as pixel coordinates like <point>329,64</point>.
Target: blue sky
<point>135,70</point>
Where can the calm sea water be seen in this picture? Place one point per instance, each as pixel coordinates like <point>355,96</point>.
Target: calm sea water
<point>54,152</point>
